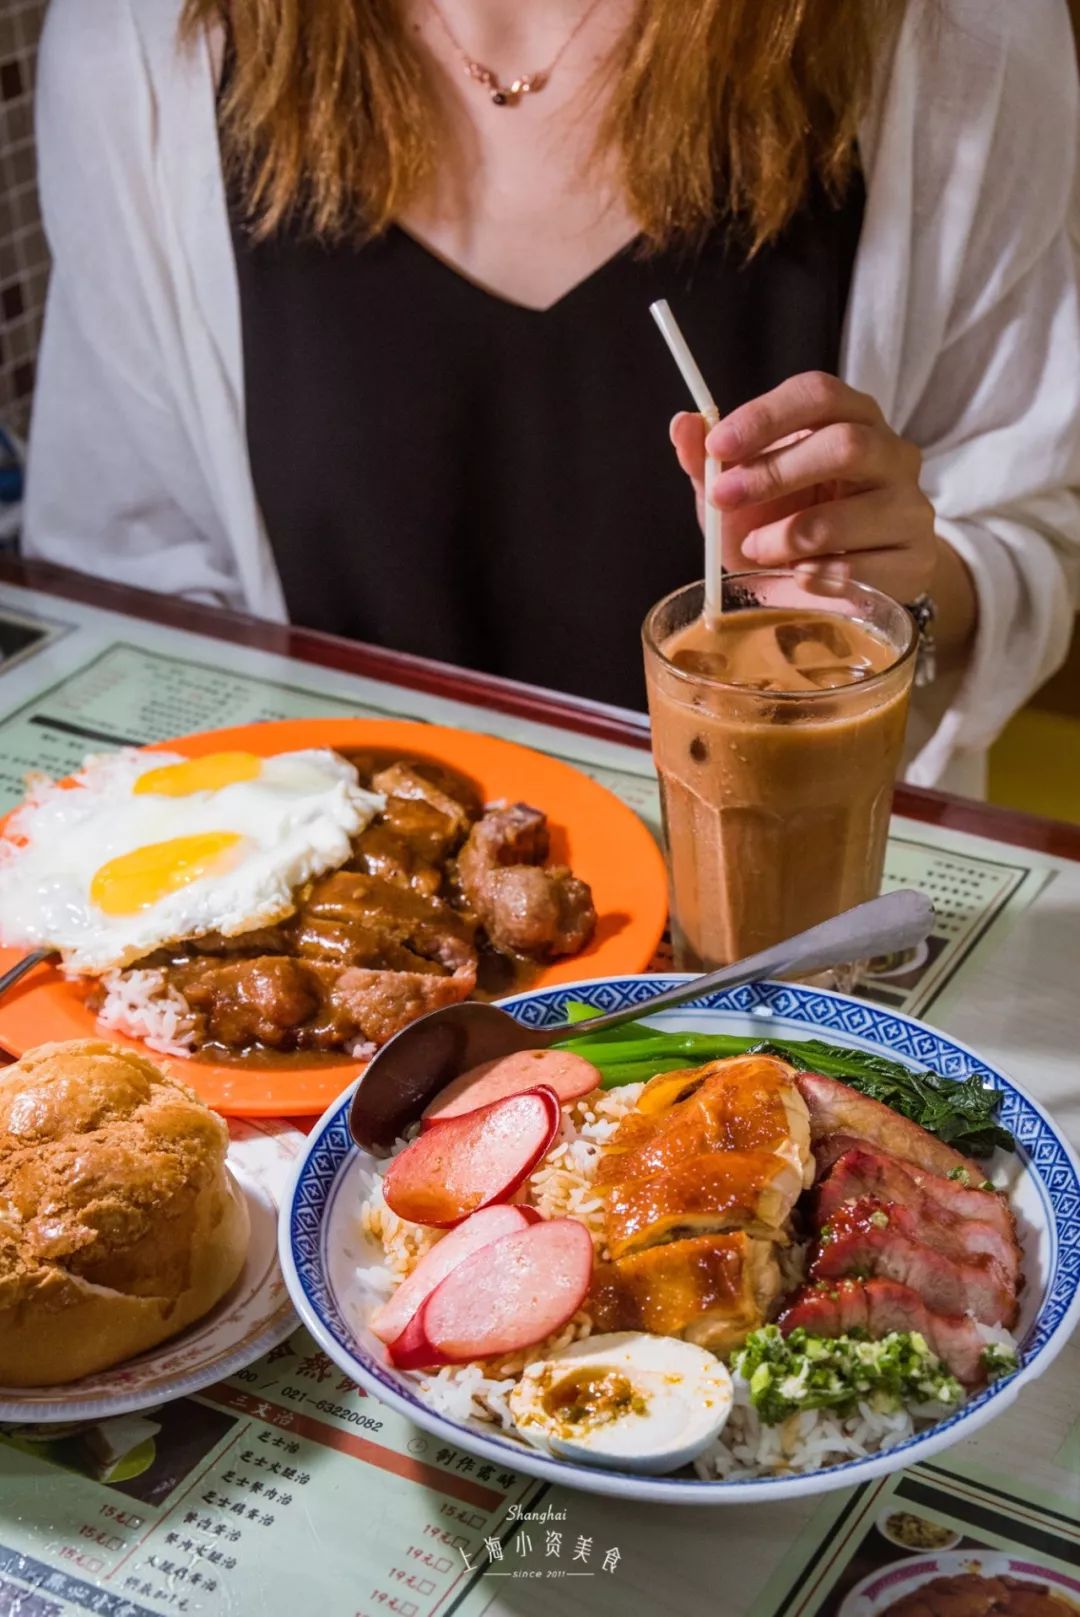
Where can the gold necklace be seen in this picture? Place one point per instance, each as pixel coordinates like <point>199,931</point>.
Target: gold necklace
<point>508,95</point>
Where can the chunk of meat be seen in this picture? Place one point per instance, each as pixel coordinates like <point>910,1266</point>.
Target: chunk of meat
<point>425,783</point>
<point>267,1000</point>
<point>537,911</point>
<point>870,1237</point>
<point>360,959</point>
<point>430,832</point>
<point>829,1148</point>
<point>721,1190</point>
<point>315,938</point>
<point>836,1108</point>
<point>958,1221</point>
<point>382,851</point>
<point>745,1103</point>
<point>381,914</point>
<point>286,1003</point>
<point>351,918</point>
<point>711,1289</point>
<point>513,835</point>
<point>427,813</point>
<point>667,1089</point>
<point>526,908</point>
<point>881,1306</point>
<point>381,1003</point>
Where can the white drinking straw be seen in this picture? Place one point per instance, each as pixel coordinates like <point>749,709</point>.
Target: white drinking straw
<point>706,405</point>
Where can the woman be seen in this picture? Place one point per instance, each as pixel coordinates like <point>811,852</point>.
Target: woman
<point>348,319</point>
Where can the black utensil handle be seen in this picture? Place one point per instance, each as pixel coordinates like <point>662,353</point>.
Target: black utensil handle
<point>19,970</point>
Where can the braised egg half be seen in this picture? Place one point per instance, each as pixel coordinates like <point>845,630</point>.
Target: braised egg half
<point>144,849</point>
<point>626,1399</point>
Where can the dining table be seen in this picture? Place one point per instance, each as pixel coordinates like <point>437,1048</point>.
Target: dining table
<point>285,1488</point>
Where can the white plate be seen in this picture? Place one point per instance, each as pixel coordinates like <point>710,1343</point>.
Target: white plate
<point>322,1246</point>
<point>254,1317</point>
<point>876,1593</point>
<point>899,1507</point>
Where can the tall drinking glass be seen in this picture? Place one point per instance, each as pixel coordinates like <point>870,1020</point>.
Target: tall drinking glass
<point>776,737</point>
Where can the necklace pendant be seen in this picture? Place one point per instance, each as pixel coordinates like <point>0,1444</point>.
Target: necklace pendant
<point>504,95</point>
<point>509,95</point>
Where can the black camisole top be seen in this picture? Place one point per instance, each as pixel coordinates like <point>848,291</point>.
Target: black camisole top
<point>445,472</point>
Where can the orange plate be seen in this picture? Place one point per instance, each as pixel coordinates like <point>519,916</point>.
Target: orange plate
<point>592,831</point>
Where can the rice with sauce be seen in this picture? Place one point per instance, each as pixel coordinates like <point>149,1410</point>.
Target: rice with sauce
<point>143,1004</point>
<point>562,1186</point>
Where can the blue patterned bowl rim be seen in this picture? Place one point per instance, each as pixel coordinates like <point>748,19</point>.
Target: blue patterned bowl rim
<point>1043,1150</point>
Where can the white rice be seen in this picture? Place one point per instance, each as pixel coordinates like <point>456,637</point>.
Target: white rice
<point>145,1005</point>
<point>562,1186</point>
<point>806,1442</point>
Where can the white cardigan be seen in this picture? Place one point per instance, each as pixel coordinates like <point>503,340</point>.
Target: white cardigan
<point>963,322</point>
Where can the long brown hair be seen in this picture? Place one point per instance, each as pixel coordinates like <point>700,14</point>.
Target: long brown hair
<point>327,120</point>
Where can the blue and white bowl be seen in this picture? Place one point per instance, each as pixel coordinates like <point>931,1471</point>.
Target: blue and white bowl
<point>322,1247</point>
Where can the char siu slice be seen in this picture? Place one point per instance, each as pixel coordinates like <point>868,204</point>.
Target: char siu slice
<point>956,1220</point>
<point>881,1306</point>
<point>836,1108</point>
<point>873,1238</point>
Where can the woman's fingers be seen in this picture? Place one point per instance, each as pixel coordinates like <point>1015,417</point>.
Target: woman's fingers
<point>880,519</point>
<point>844,452</point>
<point>822,577</point>
<point>688,436</point>
<point>893,571</point>
<point>812,399</point>
<point>820,482</point>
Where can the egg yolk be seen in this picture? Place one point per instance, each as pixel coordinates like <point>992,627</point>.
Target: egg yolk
<point>207,774</point>
<point>136,880</point>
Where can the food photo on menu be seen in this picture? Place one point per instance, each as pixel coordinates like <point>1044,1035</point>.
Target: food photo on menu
<point>539,808</point>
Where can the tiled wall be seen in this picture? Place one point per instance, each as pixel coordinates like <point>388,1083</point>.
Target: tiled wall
<point>23,257</point>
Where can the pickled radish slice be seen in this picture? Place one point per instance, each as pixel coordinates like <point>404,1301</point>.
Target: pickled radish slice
<point>480,1230</point>
<point>469,1161</point>
<point>570,1076</point>
<point>507,1296</point>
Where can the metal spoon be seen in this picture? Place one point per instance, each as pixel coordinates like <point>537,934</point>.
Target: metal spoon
<point>421,1059</point>
<point>19,970</point>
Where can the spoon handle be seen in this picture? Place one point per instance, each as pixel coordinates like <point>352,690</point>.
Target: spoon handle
<point>21,967</point>
<point>892,922</point>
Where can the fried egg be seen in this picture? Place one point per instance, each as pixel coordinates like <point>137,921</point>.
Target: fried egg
<point>146,849</point>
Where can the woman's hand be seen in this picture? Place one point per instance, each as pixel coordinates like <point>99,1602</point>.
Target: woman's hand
<point>814,476</point>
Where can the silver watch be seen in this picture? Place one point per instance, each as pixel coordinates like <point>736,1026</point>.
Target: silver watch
<point>924,612</point>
